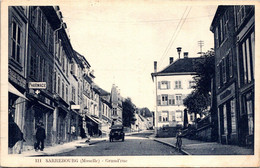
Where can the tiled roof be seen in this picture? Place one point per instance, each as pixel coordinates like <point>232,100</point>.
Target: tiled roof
<point>182,65</point>
<point>100,90</point>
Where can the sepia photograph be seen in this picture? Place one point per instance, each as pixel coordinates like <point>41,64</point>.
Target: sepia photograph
<point>128,83</point>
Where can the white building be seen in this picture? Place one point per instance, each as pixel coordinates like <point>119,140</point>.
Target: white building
<point>173,84</point>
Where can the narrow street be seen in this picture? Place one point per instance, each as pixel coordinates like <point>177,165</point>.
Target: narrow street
<point>134,145</point>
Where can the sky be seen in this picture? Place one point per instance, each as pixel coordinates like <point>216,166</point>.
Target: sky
<point>122,40</point>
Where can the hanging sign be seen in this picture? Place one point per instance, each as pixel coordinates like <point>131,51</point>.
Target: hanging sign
<point>75,107</point>
<point>37,85</point>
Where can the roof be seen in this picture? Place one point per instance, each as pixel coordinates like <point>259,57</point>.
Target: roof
<point>220,11</point>
<point>83,58</point>
<point>100,90</point>
<point>184,65</point>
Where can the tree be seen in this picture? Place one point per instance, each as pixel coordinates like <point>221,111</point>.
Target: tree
<point>128,112</point>
<point>196,103</point>
<point>205,70</point>
<point>199,100</point>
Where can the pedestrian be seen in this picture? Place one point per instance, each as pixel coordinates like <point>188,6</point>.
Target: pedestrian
<point>14,134</point>
<point>40,136</point>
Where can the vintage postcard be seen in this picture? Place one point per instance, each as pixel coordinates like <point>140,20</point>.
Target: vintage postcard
<point>143,83</point>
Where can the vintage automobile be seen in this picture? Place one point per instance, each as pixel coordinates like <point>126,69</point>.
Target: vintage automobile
<point>116,133</point>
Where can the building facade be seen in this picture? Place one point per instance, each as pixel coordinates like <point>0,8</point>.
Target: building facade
<point>234,42</point>
<point>173,84</point>
<point>116,103</point>
<point>17,72</point>
<point>245,48</point>
<point>226,74</point>
<point>40,61</point>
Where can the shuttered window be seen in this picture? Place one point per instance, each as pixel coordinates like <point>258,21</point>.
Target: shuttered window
<point>164,85</point>
<point>171,99</point>
<point>159,100</point>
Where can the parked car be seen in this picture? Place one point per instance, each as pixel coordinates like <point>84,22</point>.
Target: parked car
<point>116,133</point>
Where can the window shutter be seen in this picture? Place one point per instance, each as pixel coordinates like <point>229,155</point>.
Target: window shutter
<point>218,76</point>
<point>57,49</point>
<point>61,51</point>
<point>158,100</point>
<point>169,84</point>
<point>230,63</point>
<point>159,85</point>
<point>224,70</point>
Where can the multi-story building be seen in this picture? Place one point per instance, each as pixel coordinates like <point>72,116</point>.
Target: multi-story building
<point>75,96</point>
<point>40,69</point>
<point>116,102</point>
<point>245,49</point>
<point>105,109</point>
<point>63,54</point>
<point>233,28</point>
<point>17,71</point>
<point>87,80</point>
<point>172,85</point>
<point>226,73</point>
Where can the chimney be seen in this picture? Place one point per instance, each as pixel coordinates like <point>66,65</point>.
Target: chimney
<point>179,51</point>
<point>171,60</point>
<point>155,66</point>
<point>185,54</point>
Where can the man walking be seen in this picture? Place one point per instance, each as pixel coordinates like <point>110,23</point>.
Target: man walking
<point>40,136</point>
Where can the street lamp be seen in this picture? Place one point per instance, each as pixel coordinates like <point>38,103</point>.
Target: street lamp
<point>179,51</point>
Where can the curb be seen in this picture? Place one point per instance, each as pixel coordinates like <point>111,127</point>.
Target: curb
<point>97,142</point>
<point>171,145</point>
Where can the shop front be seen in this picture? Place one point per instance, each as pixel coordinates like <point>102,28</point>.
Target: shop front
<point>227,116</point>
<point>74,125</point>
<point>62,124</point>
<point>39,109</point>
<point>246,120</point>
<point>93,126</point>
<point>16,111</point>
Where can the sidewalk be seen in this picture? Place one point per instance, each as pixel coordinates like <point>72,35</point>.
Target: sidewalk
<point>61,148</point>
<point>135,132</point>
<point>195,147</point>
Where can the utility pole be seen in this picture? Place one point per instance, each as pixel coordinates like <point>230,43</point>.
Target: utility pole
<point>200,43</point>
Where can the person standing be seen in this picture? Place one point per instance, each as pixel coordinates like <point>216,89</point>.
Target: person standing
<point>40,136</point>
<point>14,134</point>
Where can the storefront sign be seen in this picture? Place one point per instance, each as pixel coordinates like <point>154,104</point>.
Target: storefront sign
<point>16,78</point>
<point>226,94</point>
<point>75,107</point>
<point>37,85</point>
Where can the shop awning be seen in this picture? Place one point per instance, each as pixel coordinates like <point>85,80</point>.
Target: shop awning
<point>92,118</point>
<point>99,121</point>
<point>14,91</point>
<point>46,105</point>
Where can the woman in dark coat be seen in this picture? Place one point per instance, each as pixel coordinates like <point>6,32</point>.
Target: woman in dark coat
<point>14,132</point>
<point>40,136</point>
